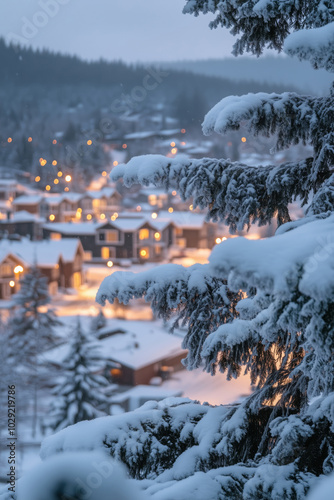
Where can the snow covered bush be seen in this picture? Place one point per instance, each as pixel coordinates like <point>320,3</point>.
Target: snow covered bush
<point>265,307</point>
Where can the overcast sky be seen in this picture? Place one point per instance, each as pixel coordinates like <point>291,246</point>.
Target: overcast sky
<point>132,30</point>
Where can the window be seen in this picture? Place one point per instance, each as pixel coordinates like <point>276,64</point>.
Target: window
<point>96,203</point>
<point>55,236</point>
<point>144,234</point>
<point>105,252</point>
<point>144,253</point>
<point>111,235</point>
<point>6,270</point>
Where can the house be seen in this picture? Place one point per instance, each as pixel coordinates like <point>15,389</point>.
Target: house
<point>29,203</point>
<point>65,207</point>
<point>126,237</point>
<point>192,230</point>
<point>132,352</point>
<point>138,351</point>
<point>104,202</point>
<point>10,269</point>
<point>22,223</point>
<point>60,262</point>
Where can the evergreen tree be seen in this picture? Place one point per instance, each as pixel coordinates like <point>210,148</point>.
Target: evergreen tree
<point>79,395</point>
<point>98,322</point>
<point>279,328</point>
<point>265,307</point>
<point>30,331</point>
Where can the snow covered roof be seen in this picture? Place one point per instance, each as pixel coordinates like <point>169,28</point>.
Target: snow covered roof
<point>145,391</point>
<point>140,135</point>
<point>75,228</point>
<point>24,216</point>
<point>45,253</point>
<point>28,199</point>
<point>143,343</point>
<point>104,192</point>
<point>161,223</point>
<point>185,220</point>
<point>129,224</point>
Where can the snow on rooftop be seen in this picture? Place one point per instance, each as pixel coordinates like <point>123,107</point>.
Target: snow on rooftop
<point>140,135</point>
<point>45,253</point>
<point>24,216</point>
<point>184,220</point>
<point>143,343</point>
<point>75,228</point>
<point>28,199</point>
<point>129,224</point>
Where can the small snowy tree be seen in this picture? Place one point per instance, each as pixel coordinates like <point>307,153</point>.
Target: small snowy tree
<point>79,396</point>
<point>265,307</point>
<point>30,331</point>
<point>98,322</point>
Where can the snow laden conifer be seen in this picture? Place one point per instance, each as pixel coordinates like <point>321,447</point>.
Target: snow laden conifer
<point>265,307</point>
<point>30,331</point>
<point>79,396</point>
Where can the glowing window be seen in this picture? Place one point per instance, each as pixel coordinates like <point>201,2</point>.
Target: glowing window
<point>144,234</point>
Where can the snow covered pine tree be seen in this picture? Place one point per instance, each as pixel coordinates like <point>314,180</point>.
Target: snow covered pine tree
<point>280,439</point>
<point>79,395</point>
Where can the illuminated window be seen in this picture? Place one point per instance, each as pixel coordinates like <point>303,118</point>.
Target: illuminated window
<point>144,234</point>
<point>105,253</point>
<point>96,203</point>
<point>152,199</point>
<point>55,236</point>
<point>144,253</point>
<point>157,236</point>
<point>111,235</point>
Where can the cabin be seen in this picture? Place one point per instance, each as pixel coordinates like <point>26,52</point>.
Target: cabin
<point>22,223</point>
<point>11,268</point>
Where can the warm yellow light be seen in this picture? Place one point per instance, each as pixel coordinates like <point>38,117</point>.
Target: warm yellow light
<point>54,163</point>
<point>56,181</point>
<point>102,216</point>
<point>52,217</point>
<point>110,263</point>
<point>191,207</point>
<point>124,146</point>
<point>79,210</point>
<point>37,179</point>
<point>113,218</point>
<point>29,139</point>
<point>54,141</point>
<point>157,236</point>
<point>218,240</point>
<point>243,139</point>
<point>18,269</point>
<point>224,238</point>
<point>9,139</point>
<point>89,217</point>
<point>115,163</point>
<point>115,214</point>
<point>89,142</point>
<point>60,174</point>
<point>174,151</point>
<point>171,210</point>
<point>183,130</point>
<point>174,193</point>
<point>104,173</point>
<point>172,144</point>
<point>48,187</point>
<point>68,178</point>
<point>154,215</point>
<point>78,215</point>
<point>66,189</point>
<point>183,143</point>
<point>138,208</point>
<point>12,283</point>
<point>143,253</point>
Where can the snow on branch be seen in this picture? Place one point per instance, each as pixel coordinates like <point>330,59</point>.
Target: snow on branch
<point>237,194</point>
<point>315,45</point>
<point>262,23</point>
<point>191,295</point>
<point>290,115</point>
